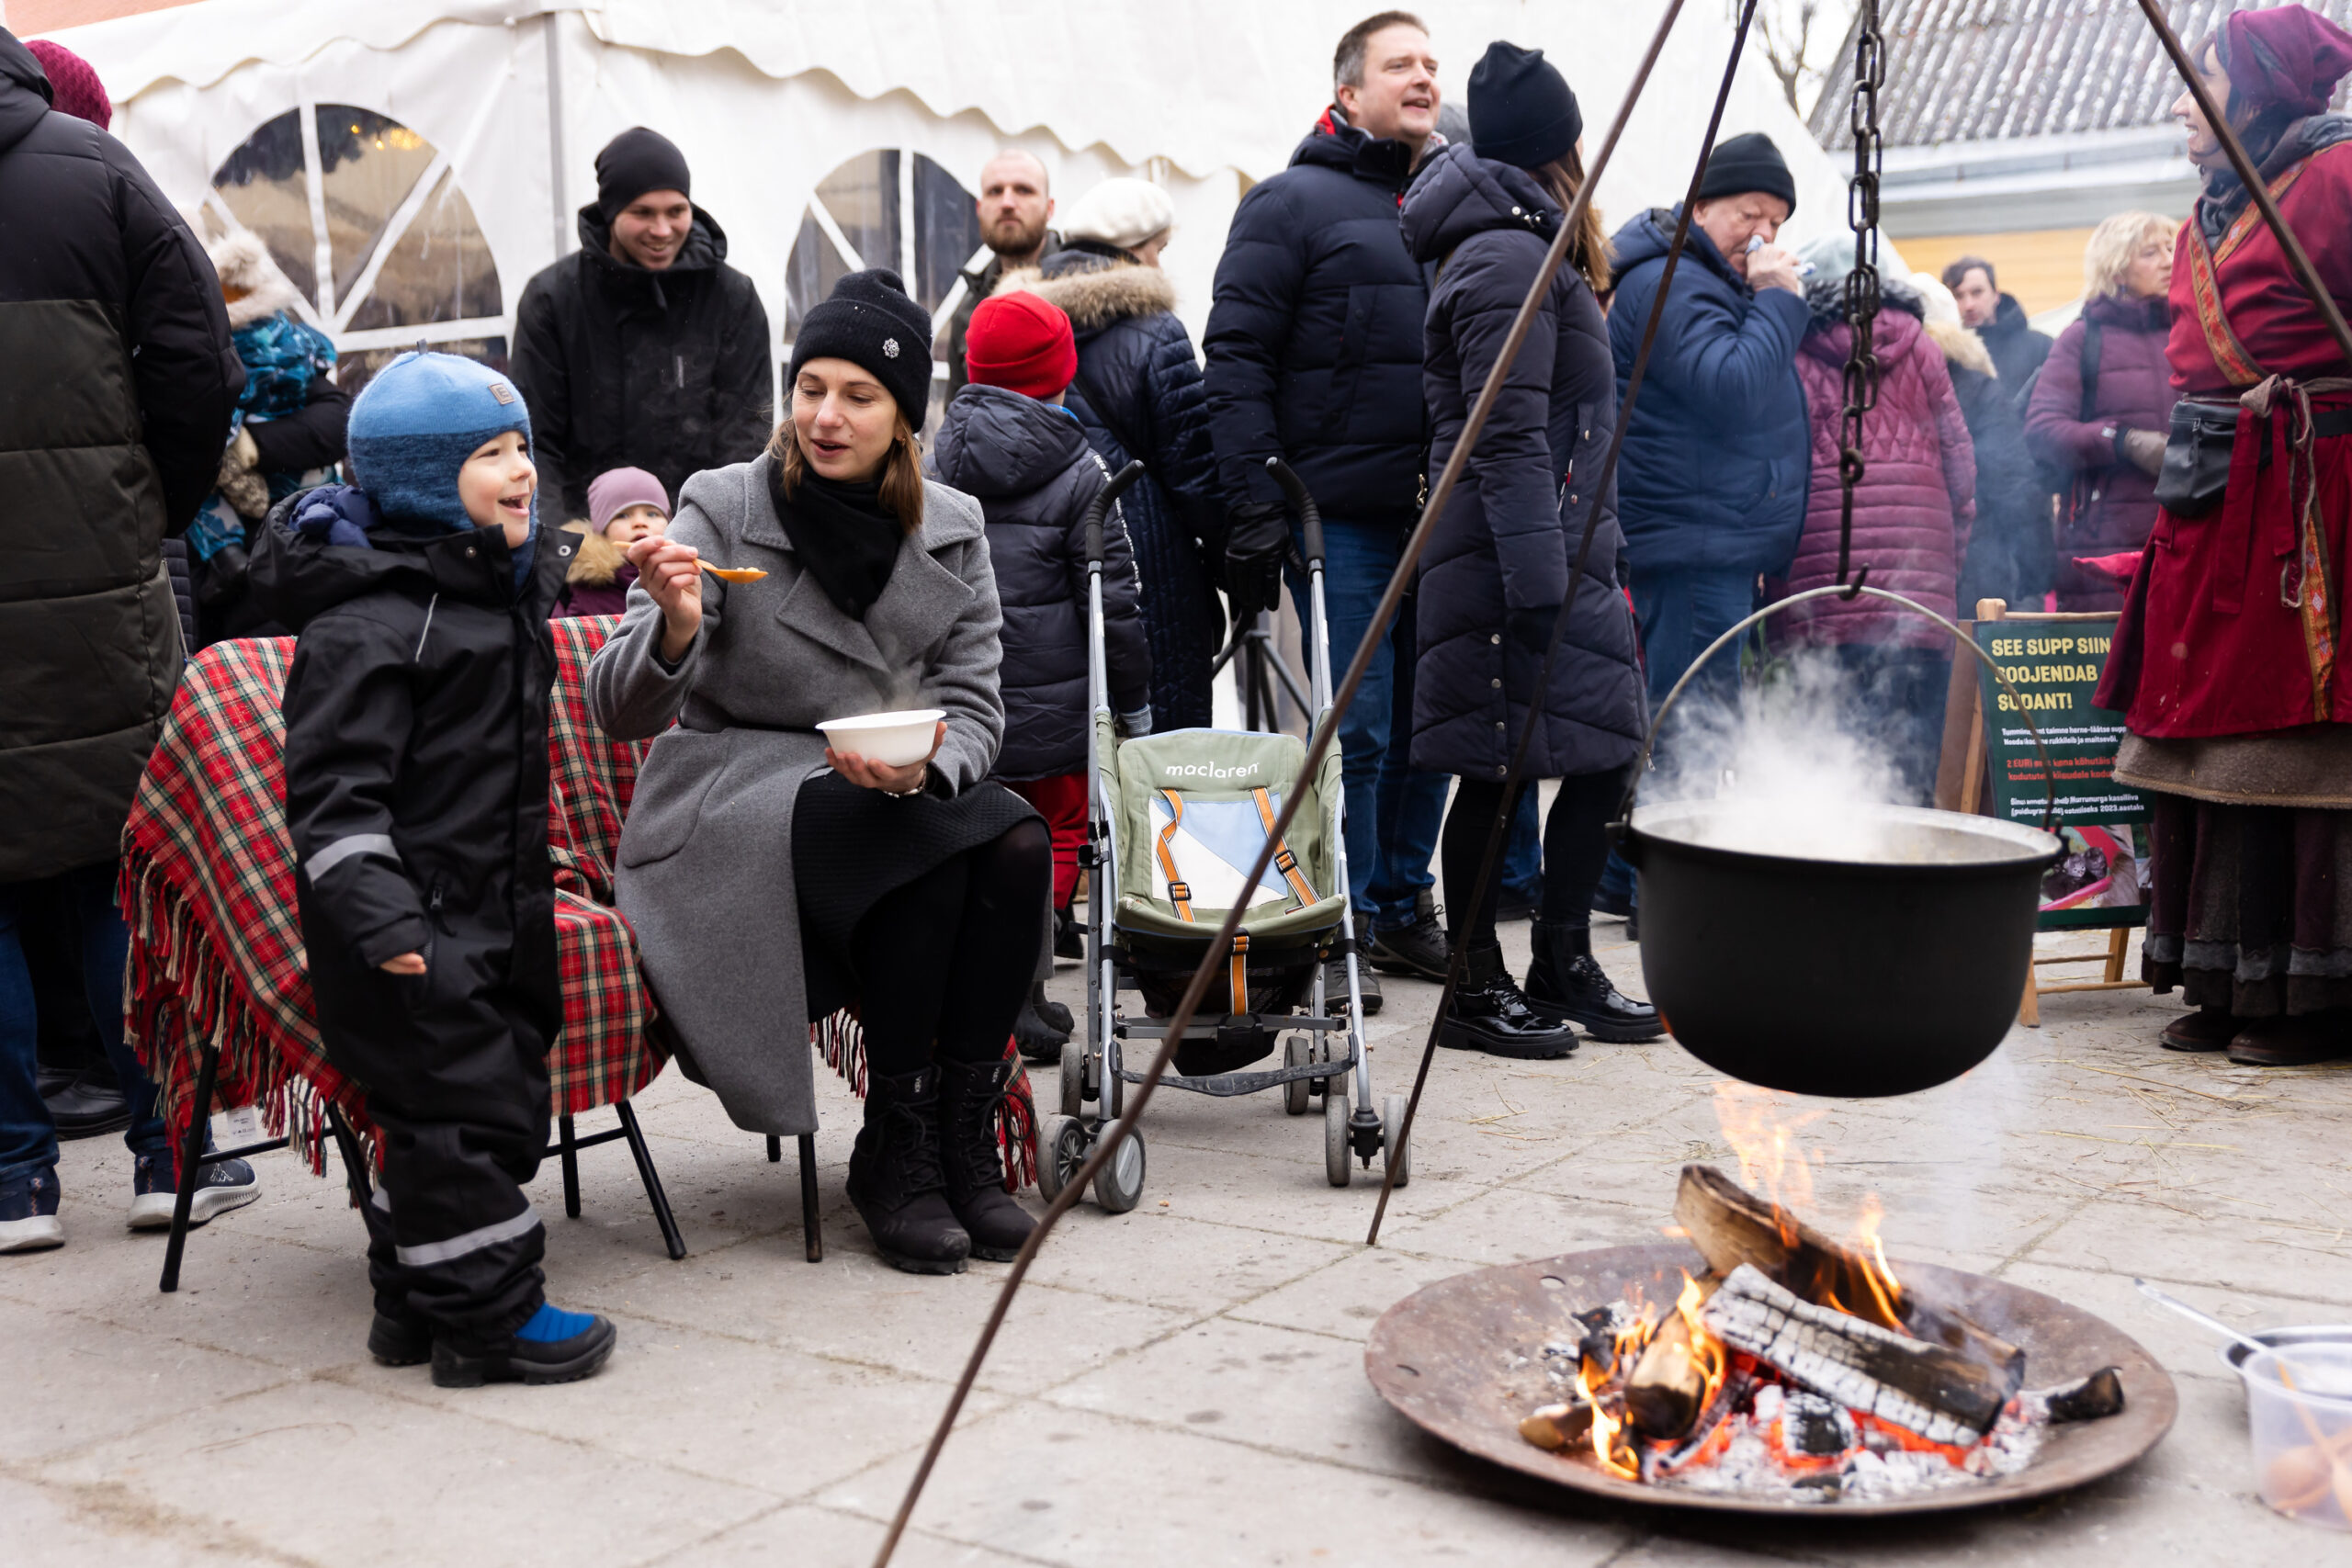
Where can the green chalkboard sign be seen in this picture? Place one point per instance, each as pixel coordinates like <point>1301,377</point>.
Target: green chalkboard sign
<point>2055,663</point>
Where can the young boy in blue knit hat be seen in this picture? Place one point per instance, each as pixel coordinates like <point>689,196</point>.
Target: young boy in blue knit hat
<point>416,794</point>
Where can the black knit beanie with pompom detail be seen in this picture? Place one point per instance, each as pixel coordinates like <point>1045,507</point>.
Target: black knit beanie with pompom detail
<point>869,320</point>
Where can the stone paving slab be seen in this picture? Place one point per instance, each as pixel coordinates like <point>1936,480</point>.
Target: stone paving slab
<point>1181,1386</point>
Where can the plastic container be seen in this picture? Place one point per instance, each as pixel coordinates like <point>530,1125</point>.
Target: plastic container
<point>2302,1433</point>
<point>893,739</point>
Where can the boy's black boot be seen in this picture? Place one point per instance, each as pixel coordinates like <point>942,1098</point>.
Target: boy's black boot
<point>551,1346</point>
<point>896,1180</point>
<point>1564,978</point>
<point>968,1101</point>
<point>400,1337</point>
<point>1490,1014</point>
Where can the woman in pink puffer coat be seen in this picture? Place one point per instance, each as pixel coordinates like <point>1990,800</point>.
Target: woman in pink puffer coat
<point>1912,513</point>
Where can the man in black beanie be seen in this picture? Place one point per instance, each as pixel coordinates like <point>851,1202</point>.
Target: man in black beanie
<point>643,348</point>
<point>1711,485</point>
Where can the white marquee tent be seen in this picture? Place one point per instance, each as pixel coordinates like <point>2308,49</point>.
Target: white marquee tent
<point>413,162</point>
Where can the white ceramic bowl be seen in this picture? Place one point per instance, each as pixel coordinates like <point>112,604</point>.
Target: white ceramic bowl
<point>893,739</point>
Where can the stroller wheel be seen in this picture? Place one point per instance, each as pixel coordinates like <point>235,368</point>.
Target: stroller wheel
<point>1296,1092</point>
<point>1061,1149</point>
<point>1336,1160</point>
<point>1073,1085</point>
<point>1394,1148</point>
<point>1118,1186</point>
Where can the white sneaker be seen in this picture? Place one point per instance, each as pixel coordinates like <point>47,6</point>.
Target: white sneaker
<point>226,1185</point>
<point>28,1220</point>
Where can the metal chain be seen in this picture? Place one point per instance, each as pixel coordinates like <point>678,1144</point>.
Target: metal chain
<point>1861,385</point>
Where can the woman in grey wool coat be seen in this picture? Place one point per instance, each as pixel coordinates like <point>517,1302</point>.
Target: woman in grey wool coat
<point>771,880</point>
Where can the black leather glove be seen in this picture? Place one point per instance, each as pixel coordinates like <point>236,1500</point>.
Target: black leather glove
<point>1254,546</point>
<point>1532,629</point>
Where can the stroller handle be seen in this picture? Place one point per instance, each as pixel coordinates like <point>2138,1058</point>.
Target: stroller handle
<point>1100,507</point>
<point>1310,520</point>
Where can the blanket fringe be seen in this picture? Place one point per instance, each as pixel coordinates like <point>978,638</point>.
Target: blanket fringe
<point>840,1040</point>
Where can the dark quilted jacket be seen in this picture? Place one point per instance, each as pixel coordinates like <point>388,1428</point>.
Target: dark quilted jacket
<point>1134,356</point>
<point>1916,499</point>
<point>1313,340</point>
<point>2112,505</point>
<point>1028,465</point>
<point>1507,541</point>
<point>117,380</point>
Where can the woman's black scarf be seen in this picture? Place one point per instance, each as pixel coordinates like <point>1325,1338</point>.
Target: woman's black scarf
<point>843,535</point>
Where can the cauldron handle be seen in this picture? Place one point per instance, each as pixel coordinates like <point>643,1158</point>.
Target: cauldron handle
<point>1641,764</point>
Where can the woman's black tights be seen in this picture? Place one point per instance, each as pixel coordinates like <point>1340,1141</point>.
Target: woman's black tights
<point>1574,850</point>
<point>949,957</point>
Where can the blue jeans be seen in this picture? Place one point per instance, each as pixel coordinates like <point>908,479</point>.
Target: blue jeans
<point>1394,811</point>
<point>27,1138</point>
<point>1681,610</point>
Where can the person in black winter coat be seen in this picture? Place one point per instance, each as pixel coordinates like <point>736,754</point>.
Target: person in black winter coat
<point>2018,350</point>
<point>1138,392</point>
<point>416,797</point>
<point>2009,555</point>
<point>642,349</point>
<point>1314,348</point>
<point>1495,576</point>
<point>1009,442</point>
<point>116,383</point>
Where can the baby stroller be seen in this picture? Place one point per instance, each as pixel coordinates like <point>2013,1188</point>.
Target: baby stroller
<point>1174,822</point>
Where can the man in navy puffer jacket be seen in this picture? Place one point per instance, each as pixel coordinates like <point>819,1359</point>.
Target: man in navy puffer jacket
<point>1313,348</point>
<point>1711,485</point>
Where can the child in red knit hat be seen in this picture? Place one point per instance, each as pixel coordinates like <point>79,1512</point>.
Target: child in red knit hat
<point>1009,442</point>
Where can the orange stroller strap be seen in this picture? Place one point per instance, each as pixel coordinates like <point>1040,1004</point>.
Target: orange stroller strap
<point>1236,973</point>
<point>1284,861</point>
<point>1178,893</point>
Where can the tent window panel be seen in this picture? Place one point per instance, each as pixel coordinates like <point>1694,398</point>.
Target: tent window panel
<point>440,270</point>
<point>862,197</point>
<point>368,164</point>
<point>814,267</point>
<point>947,230</point>
<point>262,183</point>
<point>354,369</point>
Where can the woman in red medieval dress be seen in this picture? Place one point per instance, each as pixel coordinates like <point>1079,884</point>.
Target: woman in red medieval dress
<point>2226,661</point>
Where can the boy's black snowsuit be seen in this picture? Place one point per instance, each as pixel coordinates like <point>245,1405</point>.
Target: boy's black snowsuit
<point>416,794</point>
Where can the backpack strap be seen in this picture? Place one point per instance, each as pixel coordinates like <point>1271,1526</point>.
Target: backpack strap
<point>1179,892</point>
<point>1284,861</point>
<point>2092,337</point>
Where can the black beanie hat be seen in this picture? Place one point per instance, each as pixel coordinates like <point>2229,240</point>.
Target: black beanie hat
<point>868,321</point>
<point>1521,111</point>
<point>635,161</point>
<point>1745,163</point>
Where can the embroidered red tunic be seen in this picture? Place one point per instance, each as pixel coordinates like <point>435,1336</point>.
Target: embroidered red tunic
<point>2230,628</point>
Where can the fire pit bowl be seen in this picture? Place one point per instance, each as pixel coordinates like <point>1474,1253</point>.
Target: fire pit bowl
<point>1838,976</point>
<point>1445,1358</point>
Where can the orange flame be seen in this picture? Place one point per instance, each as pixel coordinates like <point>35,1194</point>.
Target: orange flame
<point>1884,1287</point>
<point>1705,1348</point>
<point>1771,1156</point>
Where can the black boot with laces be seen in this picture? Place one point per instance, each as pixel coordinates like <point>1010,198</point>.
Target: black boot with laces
<point>967,1102</point>
<point>897,1182</point>
<point>1490,1013</point>
<point>1564,978</point>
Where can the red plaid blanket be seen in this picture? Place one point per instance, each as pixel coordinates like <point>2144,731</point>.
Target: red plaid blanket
<point>216,954</point>
<point>207,887</point>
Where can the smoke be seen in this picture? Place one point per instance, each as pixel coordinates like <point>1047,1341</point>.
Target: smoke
<point>1791,763</point>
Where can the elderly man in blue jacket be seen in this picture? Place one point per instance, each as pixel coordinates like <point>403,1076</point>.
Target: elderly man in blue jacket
<point>1711,486</point>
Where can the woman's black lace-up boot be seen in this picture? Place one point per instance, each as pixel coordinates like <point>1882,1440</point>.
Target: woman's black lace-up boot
<point>967,1102</point>
<point>896,1180</point>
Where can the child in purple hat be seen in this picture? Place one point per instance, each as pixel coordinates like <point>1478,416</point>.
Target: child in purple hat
<point>624,505</point>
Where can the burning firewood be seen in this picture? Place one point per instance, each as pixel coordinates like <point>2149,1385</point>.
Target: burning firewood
<point>2093,1398</point>
<point>1555,1427</point>
<point>1937,1393</point>
<point>1670,1383</point>
<point>1730,1226</point>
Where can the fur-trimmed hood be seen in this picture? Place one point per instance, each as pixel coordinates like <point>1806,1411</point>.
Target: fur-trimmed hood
<point>1961,346</point>
<point>247,266</point>
<point>1094,291</point>
<point>598,561</point>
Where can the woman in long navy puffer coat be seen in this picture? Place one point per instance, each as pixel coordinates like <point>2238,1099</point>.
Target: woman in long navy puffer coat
<point>1138,394</point>
<point>1497,569</point>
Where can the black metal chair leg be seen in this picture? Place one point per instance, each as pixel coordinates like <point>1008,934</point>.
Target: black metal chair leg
<point>570,1155</point>
<point>355,1158</point>
<point>808,1226</point>
<point>646,1173</point>
<point>191,1172</point>
<point>775,1149</point>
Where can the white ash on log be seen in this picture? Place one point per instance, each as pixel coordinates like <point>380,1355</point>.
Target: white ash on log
<point>1940,1393</point>
<point>1731,1225</point>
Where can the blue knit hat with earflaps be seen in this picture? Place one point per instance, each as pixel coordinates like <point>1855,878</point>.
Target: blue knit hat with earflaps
<point>414,424</point>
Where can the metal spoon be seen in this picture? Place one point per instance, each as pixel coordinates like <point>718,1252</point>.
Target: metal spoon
<point>2203,1320</point>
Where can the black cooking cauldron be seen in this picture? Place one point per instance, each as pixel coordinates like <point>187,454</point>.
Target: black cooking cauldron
<point>1832,977</point>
